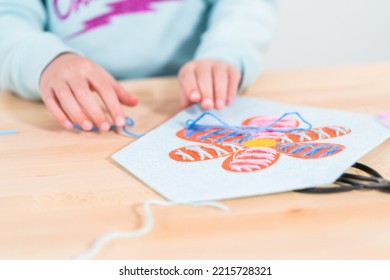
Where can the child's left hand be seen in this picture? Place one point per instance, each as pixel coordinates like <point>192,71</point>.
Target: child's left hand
<point>213,83</point>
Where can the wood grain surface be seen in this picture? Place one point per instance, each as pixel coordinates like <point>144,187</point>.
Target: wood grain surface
<point>60,190</point>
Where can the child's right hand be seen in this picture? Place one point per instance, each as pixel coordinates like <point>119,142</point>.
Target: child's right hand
<point>67,85</point>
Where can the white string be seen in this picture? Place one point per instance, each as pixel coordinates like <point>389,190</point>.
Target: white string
<point>146,228</point>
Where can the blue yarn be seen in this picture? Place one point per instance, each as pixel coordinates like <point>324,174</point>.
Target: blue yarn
<point>129,123</point>
<point>300,147</point>
<point>311,153</point>
<point>8,132</point>
<point>191,124</point>
<point>330,152</point>
<point>284,147</point>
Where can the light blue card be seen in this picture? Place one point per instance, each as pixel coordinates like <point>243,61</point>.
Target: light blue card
<point>214,163</point>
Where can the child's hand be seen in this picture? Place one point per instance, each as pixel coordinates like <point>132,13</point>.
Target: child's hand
<point>67,86</point>
<point>212,83</point>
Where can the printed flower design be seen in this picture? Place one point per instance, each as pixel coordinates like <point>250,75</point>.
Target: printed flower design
<point>248,151</point>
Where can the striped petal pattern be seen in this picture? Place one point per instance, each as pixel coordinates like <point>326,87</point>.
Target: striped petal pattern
<point>309,150</point>
<point>203,152</point>
<point>246,149</point>
<point>251,159</point>
<point>314,134</point>
<point>214,135</point>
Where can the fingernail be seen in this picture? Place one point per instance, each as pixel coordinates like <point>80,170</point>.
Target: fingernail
<point>195,96</point>
<point>229,101</point>
<point>68,125</point>
<point>120,121</point>
<point>219,103</point>
<point>207,103</point>
<point>87,125</point>
<point>105,126</point>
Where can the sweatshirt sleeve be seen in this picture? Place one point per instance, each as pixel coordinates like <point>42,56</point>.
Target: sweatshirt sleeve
<point>25,48</point>
<point>238,33</point>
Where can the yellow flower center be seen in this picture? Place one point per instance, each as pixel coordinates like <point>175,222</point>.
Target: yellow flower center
<point>260,142</point>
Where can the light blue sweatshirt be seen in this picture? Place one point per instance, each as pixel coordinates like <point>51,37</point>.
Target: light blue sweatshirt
<point>131,38</point>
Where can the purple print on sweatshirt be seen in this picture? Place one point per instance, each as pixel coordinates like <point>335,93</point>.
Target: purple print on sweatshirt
<point>116,8</point>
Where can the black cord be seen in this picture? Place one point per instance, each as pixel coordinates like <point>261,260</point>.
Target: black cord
<point>348,182</point>
<point>367,169</point>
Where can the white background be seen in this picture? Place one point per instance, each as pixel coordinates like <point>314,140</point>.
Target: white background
<point>281,270</point>
<point>320,33</point>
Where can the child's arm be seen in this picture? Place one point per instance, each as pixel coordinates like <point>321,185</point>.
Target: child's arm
<point>25,49</point>
<point>37,64</point>
<point>230,49</point>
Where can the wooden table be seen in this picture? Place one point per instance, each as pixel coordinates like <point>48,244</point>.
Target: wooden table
<point>60,190</point>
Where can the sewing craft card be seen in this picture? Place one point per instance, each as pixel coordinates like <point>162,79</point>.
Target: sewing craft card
<point>250,148</point>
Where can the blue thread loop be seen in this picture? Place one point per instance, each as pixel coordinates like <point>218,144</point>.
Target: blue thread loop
<point>8,132</point>
<point>248,129</point>
<point>191,123</point>
<point>129,123</point>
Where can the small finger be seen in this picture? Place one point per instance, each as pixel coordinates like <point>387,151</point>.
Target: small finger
<point>87,100</point>
<point>189,85</point>
<point>109,96</point>
<point>124,96</point>
<point>54,107</point>
<point>106,92</point>
<point>205,83</point>
<point>71,107</point>
<point>184,101</point>
<point>234,82</point>
<point>221,81</point>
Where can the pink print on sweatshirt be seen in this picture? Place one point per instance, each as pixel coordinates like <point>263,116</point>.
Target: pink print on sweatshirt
<point>116,8</point>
